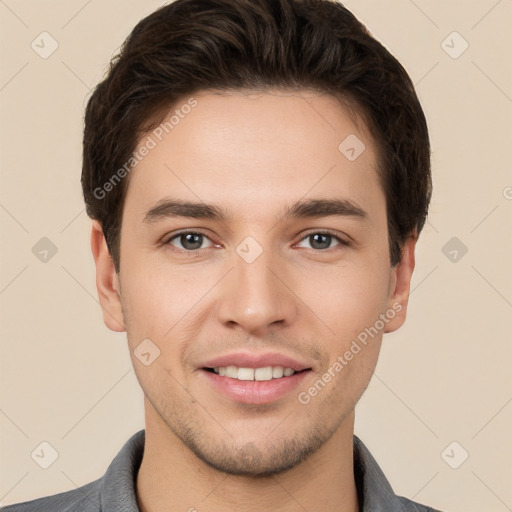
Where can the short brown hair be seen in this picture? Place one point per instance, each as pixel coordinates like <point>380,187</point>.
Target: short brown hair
<point>196,45</point>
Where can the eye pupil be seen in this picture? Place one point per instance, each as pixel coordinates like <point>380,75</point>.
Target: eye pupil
<point>192,241</point>
<point>191,238</point>
<point>324,244</point>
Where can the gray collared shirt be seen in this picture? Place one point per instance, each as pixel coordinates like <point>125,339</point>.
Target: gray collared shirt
<point>115,490</point>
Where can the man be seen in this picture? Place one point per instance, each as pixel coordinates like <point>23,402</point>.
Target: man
<point>258,174</point>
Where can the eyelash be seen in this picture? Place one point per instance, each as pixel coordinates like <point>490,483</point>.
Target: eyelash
<point>196,252</point>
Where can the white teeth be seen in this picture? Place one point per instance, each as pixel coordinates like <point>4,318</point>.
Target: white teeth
<point>277,372</point>
<point>263,373</point>
<point>231,371</point>
<point>245,373</point>
<point>259,374</point>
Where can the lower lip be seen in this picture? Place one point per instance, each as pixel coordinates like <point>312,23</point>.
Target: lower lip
<point>254,391</point>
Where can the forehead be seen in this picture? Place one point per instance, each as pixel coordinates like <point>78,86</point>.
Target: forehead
<point>252,152</point>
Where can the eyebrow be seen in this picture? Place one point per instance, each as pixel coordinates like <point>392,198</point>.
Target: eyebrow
<point>170,208</point>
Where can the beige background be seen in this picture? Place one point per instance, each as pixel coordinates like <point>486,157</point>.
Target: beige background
<point>444,377</point>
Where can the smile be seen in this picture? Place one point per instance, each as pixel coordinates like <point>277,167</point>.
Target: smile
<point>256,386</point>
<point>259,374</point>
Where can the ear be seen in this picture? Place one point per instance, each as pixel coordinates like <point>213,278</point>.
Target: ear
<point>107,281</point>
<point>400,285</point>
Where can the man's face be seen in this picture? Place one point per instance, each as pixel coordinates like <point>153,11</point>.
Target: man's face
<point>257,288</point>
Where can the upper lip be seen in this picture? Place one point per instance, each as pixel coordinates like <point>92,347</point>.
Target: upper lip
<point>252,360</point>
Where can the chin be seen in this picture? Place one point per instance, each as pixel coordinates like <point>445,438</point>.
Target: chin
<point>252,460</point>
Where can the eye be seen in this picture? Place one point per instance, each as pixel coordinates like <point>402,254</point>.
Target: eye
<point>322,240</point>
<point>192,241</point>
<point>189,240</point>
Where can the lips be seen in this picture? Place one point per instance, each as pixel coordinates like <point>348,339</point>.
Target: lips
<point>248,360</point>
<point>254,378</point>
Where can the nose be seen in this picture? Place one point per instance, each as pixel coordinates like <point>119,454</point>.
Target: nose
<point>255,297</point>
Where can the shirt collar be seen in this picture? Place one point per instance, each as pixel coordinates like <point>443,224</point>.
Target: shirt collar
<point>119,482</point>
<point>374,491</point>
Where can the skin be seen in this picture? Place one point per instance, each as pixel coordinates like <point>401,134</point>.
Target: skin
<point>252,155</point>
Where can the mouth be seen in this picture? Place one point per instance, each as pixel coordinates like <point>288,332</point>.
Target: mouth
<point>264,373</point>
<point>256,386</point>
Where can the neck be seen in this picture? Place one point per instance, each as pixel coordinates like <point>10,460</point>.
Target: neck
<point>170,474</point>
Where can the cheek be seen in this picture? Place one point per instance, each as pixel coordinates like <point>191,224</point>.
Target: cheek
<point>347,299</point>
<point>350,380</point>
<point>161,300</point>
<point>148,301</point>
